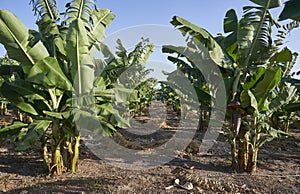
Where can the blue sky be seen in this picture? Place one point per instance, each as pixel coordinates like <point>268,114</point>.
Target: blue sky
<point>207,14</point>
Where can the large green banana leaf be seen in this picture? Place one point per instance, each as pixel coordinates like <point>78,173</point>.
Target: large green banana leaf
<point>248,99</point>
<point>200,35</point>
<point>48,27</point>
<point>14,35</point>
<point>101,19</point>
<point>84,120</point>
<point>34,133</point>
<point>292,107</point>
<point>77,48</point>
<point>10,92</point>
<point>26,90</point>
<point>199,59</point>
<point>262,89</point>
<point>271,3</point>
<point>58,115</point>
<point>284,97</point>
<point>291,10</point>
<point>13,129</point>
<point>229,43</point>
<point>48,73</point>
<point>253,80</point>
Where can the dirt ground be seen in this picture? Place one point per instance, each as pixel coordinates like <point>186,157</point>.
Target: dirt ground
<point>278,172</point>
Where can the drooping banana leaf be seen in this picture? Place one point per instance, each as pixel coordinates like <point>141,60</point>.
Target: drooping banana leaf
<point>229,43</point>
<point>254,36</point>
<point>14,35</point>
<point>291,10</point>
<point>285,55</point>
<point>34,133</point>
<point>84,120</point>
<point>121,94</point>
<point>101,19</point>
<point>48,15</point>
<point>48,73</point>
<point>249,100</point>
<point>10,92</point>
<point>262,89</point>
<point>253,79</point>
<point>272,133</point>
<point>108,55</point>
<point>196,57</point>
<point>59,115</point>
<point>269,3</point>
<point>13,129</point>
<point>201,36</point>
<point>26,90</point>
<point>284,96</point>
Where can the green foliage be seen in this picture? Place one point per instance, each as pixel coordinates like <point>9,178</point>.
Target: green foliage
<point>200,36</point>
<point>35,131</point>
<point>142,98</point>
<point>261,89</point>
<point>253,68</point>
<point>15,37</point>
<point>291,10</point>
<point>55,63</point>
<point>268,4</point>
<point>169,95</point>
<point>127,74</point>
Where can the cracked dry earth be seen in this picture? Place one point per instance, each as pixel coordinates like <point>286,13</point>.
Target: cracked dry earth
<point>278,172</point>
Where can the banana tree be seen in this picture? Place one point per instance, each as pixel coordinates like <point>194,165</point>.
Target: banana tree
<point>56,83</point>
<point>252,67</point>
<point>189,69</point>
<point>125,72</point>
<point>169,96</point>
<point>142,98</point>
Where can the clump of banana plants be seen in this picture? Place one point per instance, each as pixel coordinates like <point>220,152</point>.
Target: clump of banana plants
<point>253,67</point>
<point>126,72</point>
<point>56,82</point>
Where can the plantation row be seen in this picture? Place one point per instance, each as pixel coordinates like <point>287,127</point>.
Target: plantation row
<point>54,83</point>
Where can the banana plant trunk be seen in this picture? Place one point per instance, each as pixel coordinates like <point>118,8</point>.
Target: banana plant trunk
<point>46,154</point>
<point>3,109</point>
<point>252,161</point>
<point>243,150</point>
<point>57,161</point>
<point>57,165</point>
<point>234,154</point>
<point>237,146</point>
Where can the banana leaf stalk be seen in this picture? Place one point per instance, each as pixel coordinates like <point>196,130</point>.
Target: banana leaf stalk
<point>74,159</point>
<point>252,160</point>
<point>46,158</point>
<point>57,161</point>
